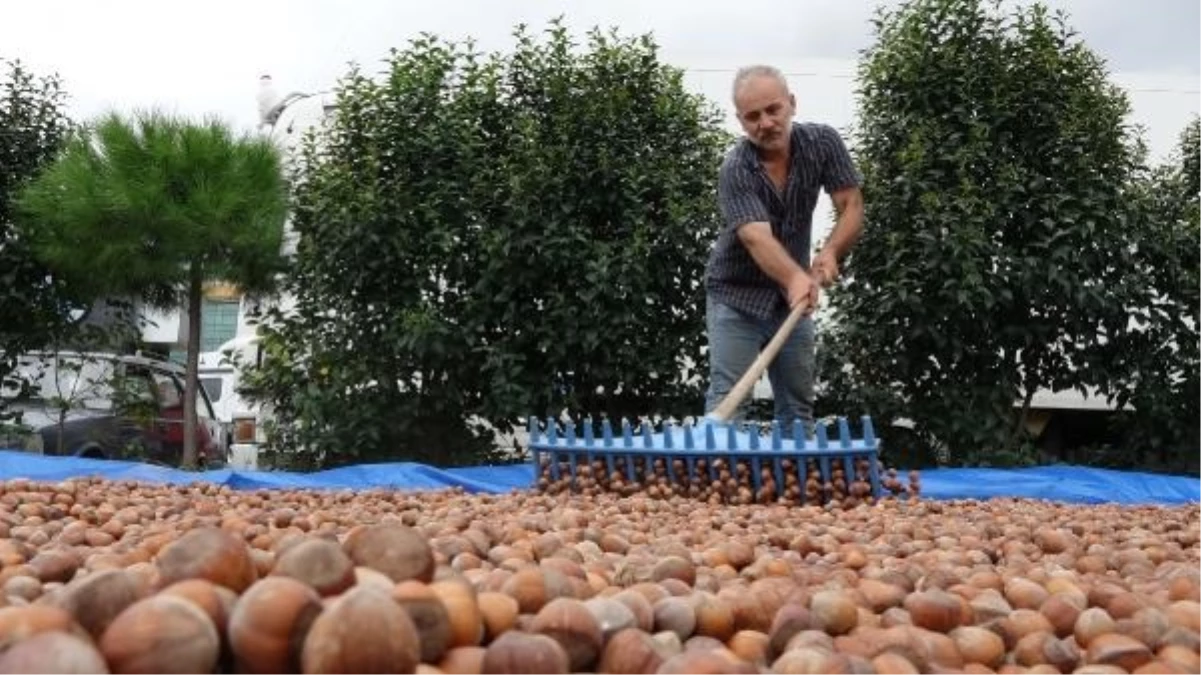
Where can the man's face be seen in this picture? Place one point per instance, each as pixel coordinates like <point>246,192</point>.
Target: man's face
<point>765,110</point>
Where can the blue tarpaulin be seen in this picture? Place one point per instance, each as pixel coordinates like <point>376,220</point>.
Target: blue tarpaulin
<point>1069,484</point>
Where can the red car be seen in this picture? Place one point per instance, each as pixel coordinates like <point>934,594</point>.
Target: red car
<point>113,406</point>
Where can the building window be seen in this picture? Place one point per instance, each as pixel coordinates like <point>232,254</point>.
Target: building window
<point>218,323</point>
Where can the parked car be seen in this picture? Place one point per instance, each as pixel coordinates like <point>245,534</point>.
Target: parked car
<point>113,406</point>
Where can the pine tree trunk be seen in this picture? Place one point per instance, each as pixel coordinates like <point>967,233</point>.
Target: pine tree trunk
<point>190,380</point>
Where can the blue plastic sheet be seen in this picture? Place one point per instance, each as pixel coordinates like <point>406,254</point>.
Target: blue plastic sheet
<point>1074,484</point>
<point>1069,484</point>
<point>397,475</point>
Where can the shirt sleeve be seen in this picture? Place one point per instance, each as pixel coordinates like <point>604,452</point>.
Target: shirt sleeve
<point>737,197</point>
<point>838,169</point>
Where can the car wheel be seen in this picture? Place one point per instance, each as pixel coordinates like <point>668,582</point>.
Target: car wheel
<point>91,452</point>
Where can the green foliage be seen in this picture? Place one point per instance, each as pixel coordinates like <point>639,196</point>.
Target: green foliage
<point>33,126</point>
<point>164,205</point>
<point>1160,361</point>
<point>486,237</point>
<point>1190,161</point>
<point>163,199</point>
<point>995,259</point>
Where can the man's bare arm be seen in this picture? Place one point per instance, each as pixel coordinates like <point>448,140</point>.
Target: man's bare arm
<point>773,259</point>
<point>768,253</point>
<point>848,204</point>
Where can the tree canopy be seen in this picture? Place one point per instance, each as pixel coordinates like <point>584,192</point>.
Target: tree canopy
<point>484,237</point>
<point>162,201</point>
<point>996,257</point>
<point>1159,363</point>
<point>34,124</point>
<point>152,206</point>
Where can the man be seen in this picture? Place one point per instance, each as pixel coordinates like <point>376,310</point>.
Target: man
<point>759,268</point>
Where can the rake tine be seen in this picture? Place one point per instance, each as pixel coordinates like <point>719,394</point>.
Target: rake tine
<point>552,440</point>
<point>607,434</point>
<point>589,444</point>
<point>710,448</point>
<point>627,437</point>
<point>777,444</point>
<point>667,445</point>
<point>571,456</point>
<point>535,438</point>
<point>689,447</point>
<point>755,478</point>
<point>823,460</point>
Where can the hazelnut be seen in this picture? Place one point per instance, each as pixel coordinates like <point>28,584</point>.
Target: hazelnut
<point>572,625</point>
<point>631,651</point>
<point>675,614</point>
<point>53,652</point>
<point>1112,649</point>
<point>462,606</point>
<point>95,599</point>
<point>317,562</point>
<point>396,550</point>
<point>429,616</point>
<point>207,553</point>
<point>520,652</point>
<point>498,612</point>
<point>161,633</point>
<point>18,623</point>
<point>269,623</point>
<point>836,613</point>
<point>469,660</point>
<point>362,631</point>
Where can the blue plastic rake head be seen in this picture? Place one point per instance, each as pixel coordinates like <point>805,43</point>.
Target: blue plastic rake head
<point>708,459</point>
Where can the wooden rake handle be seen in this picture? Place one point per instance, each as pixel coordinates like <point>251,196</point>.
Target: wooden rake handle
<point>725,409</point>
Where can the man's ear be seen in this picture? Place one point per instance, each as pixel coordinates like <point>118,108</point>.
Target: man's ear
<point>792,102</point>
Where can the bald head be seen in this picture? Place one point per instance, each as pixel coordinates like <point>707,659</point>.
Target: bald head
<point>764,106</point>
<point>747,74</point>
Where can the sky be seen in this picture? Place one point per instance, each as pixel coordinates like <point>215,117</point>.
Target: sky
<point>206,58</point>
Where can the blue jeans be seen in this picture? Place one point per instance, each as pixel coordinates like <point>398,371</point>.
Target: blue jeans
<point>735,340</point>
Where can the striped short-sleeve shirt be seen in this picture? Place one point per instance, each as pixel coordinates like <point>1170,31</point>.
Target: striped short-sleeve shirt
<point>819,161</point>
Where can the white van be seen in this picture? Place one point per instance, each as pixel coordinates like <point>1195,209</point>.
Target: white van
<point>220,379</point>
